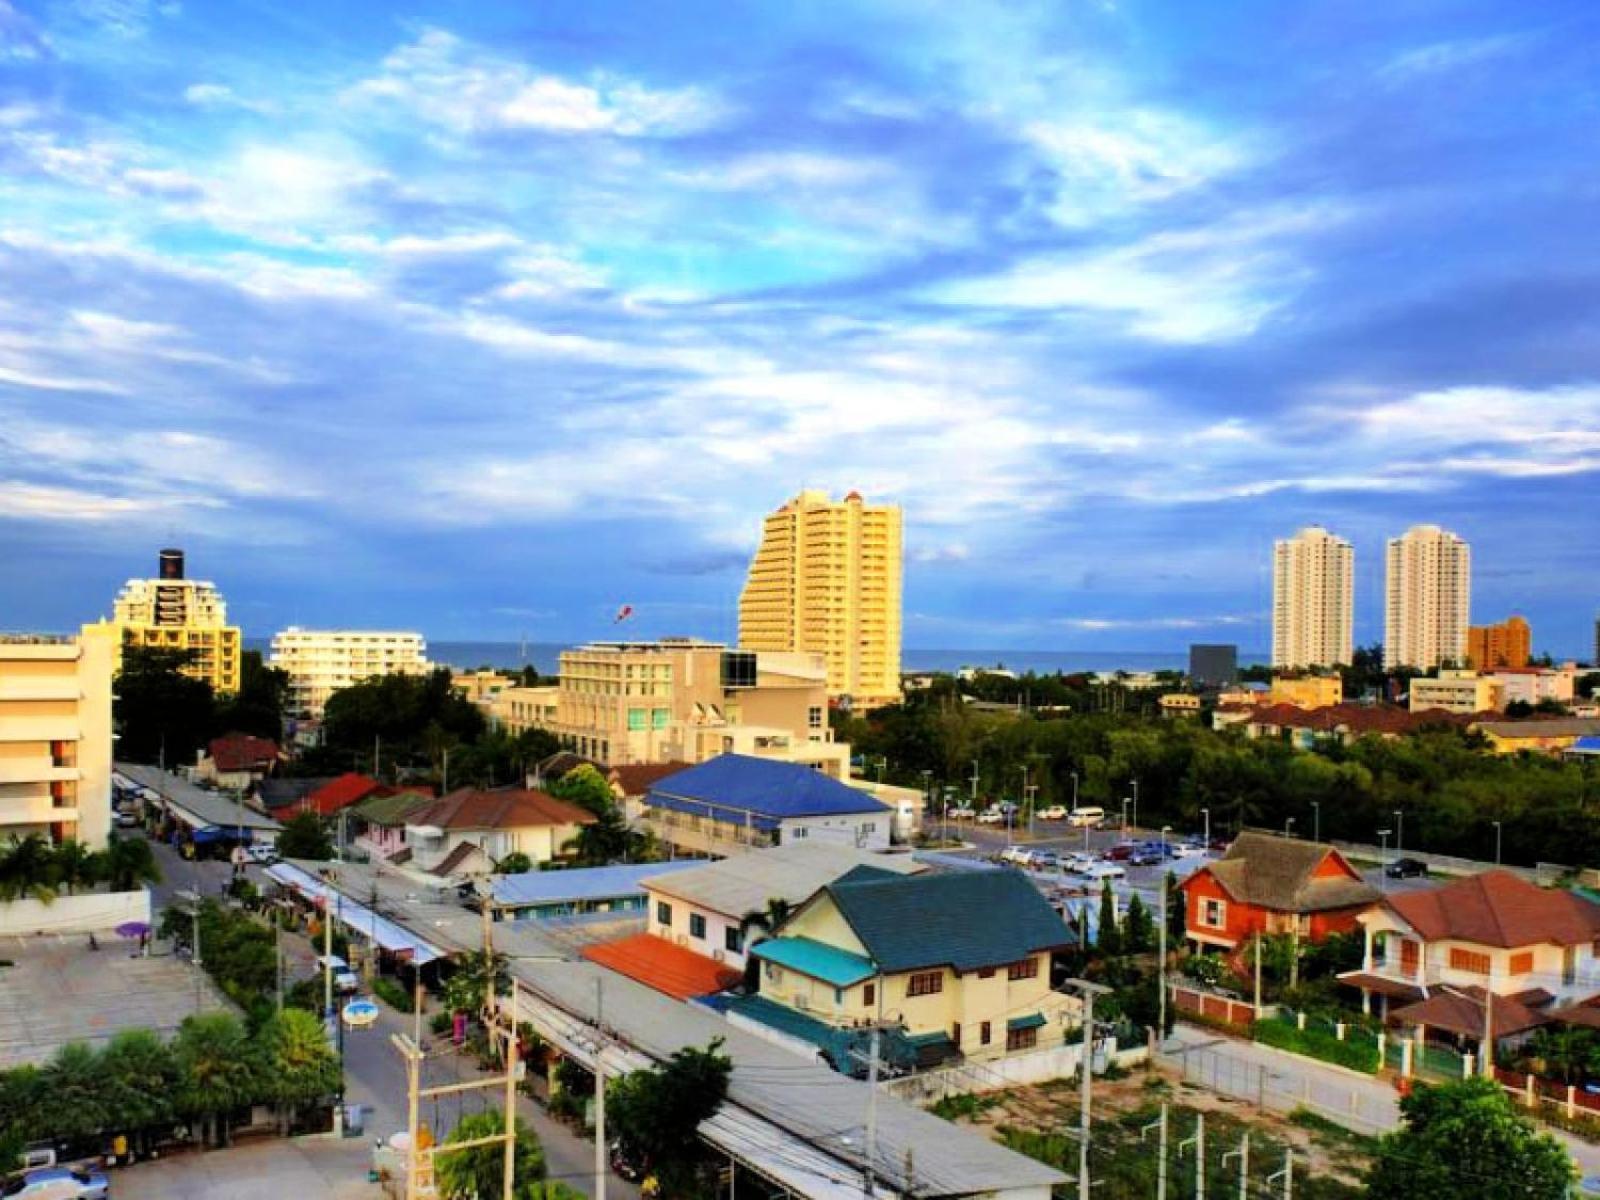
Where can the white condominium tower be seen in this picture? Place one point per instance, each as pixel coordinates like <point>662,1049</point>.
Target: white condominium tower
<point>1313,600</point>
<point>826,580</point>
<point>319,662</point>
<point>1428,599</point>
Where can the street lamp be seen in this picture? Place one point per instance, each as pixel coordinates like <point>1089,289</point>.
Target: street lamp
<point>1288,827</point>
<point>1135,803</point>
<point>1124,817</point>
<point>1383,858</point>
<point>1074,789</point>
<point>1206,813</point>
<point>1399,831</point>
<point>1165,829</point>
<point>1316,820</point>
<point>1496,843</point>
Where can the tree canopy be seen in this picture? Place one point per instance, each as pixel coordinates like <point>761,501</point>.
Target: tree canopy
<point>657,1112</point>
<point>159,711</point>
<point>480,1171</point>
<point>1466,1139</point>
<point>304,835</point>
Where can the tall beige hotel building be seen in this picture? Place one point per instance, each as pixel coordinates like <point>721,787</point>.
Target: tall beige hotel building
<point>172,612</point>
<point>827,580</point>
<point>1313,600</point>
<point>1428,599</point>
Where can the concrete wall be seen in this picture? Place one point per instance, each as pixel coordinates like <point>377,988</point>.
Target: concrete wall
<point>94,911</point>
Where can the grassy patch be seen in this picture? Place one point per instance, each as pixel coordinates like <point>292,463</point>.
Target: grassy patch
<point>965,1106</point>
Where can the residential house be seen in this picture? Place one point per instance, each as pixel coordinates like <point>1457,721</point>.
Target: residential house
<point>468,831</point>
<point>578,891</point>
<point>632,782</point>
<point>960,962</point>
<point>379,823</point>
<point>1180,704</point>
<point>341,792</point>
<point>709,909</point>
<point>283,798</point>
<point>1267,884</point>
<point>1432,954</point>
<point>237,762</point>
<point>1306,728</point>
<point>735,802</point>
<point>1535,685</point>
<point>1539,735</point>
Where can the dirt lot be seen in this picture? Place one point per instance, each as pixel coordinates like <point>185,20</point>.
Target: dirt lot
<point>1328,1161</point>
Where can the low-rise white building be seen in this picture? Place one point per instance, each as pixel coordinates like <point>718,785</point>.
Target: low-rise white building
<point>319,662</point>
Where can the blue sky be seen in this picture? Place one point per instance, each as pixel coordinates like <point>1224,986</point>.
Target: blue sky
<point>484,319</point>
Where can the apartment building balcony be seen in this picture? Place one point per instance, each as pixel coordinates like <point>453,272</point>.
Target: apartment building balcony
<point>39,729</point>
<point>34,810</point>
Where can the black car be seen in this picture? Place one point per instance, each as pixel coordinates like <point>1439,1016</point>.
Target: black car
<point>1405,868</point>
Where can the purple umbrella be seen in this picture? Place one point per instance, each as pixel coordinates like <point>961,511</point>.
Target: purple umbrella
<point>132,929</point>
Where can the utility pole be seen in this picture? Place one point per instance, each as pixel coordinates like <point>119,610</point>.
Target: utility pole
<point>277,956</point>
<point>1243,1155</point>
<point>1161,983</point>
<point>600,1166</point>
<point>1287,1175</point>
<point>868,1183</point>
<point>1086,1068</point>
<point>1198,1141</point>
<point>1160,1125</point>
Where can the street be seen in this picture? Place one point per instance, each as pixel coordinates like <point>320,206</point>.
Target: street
<point>375,1075</point>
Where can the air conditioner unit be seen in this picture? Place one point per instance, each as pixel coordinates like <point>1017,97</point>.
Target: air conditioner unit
<point>719,956</point>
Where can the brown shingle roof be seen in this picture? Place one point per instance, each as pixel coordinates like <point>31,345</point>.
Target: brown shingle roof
<point>1460,1011</point>
<point>1498,908</point>
<point>243,752</point>
<point>1352,718</point>
<point>1277,873</point>
<point>636,779</point>
<point>507,808</point>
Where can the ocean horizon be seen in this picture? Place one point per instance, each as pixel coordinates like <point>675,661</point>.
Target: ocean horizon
<point>545,656</point>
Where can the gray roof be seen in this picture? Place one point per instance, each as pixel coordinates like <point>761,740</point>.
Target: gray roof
<point>808,1118</point>
<point>580,883</point>
<point>744,883</point>
<point>1542,727</point>
<point>209,810</point>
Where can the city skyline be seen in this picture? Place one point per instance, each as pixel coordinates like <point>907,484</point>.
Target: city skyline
<point>487,322</point>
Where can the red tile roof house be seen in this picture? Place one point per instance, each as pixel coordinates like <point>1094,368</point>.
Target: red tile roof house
<point>1270,884</point>
<point>468,831</point>
<point>340,792</point>
<point>238,761</point>
<point>1431,955</point>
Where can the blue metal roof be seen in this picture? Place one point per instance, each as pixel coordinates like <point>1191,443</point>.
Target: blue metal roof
<point>731,785</point>
<point>581,883</point>
<point>816,959</point>
<point>1585,745</point>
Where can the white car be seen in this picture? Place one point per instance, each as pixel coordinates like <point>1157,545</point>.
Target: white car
<point>1056,812</point>
<point>1077,862</point>
<point>991,816</point>
<point>345,981</point>
<point>1103,870</point>
<point>963,813</point>
<point>259,852</point>
<point>1187,849</point>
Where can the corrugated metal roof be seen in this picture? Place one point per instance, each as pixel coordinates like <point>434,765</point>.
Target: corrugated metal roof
<point>386,933</point>
<point>582,883</point>
<point>744,883</point>
<point>816,959</point>
<point>769,790</point>
<point>202,809</point>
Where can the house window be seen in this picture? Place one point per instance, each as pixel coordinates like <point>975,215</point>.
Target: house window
<point>925,983</point>
<point>1028,968</point>
<point>637,719</point>
<point>984,1033</point>
<point>1022,1039</point>
<point>659,717</point>
<point>869,995</point>
<point>663,913</point>
<point>697,926</point>
<point>1468,960</point>
<point>1214,913</point>
<point>955,1034</point>
<point>732,940</point>
<point>1522,963</point>
<point>814,717</point>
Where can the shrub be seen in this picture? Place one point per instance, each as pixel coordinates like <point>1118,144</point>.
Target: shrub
<point>1357,1054</point>
<point>392,994</point>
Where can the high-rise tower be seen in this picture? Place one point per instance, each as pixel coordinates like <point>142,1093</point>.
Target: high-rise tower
<point>1313,600</point>
<point>1428,599</point>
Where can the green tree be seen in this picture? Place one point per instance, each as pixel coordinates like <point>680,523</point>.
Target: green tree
<point>71,1102</point>
<point>76,866</point>
<point>161,714</point>
<point>515,863</point>
<point>258,706</point>
<point>1466,1139</point>
<point>27,869</point>
<point>1138,930</point>
<point>217,1072</point>
<point>129,863</point>
<point>466,990</point>
<point>657,1113</point>
<point>480,1171</point>
<point>1108,938</point>
<point>605,840</point>
<point>1177,927</point>
<point>299,1065</point>
<point>304,835</point>
<point>139,1073</point>
<point>587,788</point>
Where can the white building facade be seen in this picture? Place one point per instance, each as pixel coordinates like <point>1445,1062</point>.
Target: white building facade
<point>320,662</point>
<point>1313,600</point>
<point>1428,601</point>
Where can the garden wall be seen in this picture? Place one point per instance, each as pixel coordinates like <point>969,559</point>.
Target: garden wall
<point>96,912</point>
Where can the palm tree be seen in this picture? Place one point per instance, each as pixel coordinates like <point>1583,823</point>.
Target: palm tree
<point>481,1170</point>
<point>129,863</point>
<point>217,1071</point>
<point>71,1103</point>
<point>76,865</point>
<point>27,869</point>
<point>140,1075</point>
<point>301,1068</point>
<point>767,922</point>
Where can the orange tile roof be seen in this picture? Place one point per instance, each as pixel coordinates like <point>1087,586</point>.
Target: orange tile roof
<point>1498,908</point>
<point>506,808</point>
<point>658,963</point>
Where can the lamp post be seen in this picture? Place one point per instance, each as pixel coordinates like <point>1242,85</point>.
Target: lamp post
<point>1165,829</point>
<point>1206,813</point>
<point>1316,820</point>
<point>974,785</point>
<point>1136,804</point>
<point>1399,832</point>
<point>1288,827</point>
<point>1124,818</point>
<point>1074,789</point>
<point>1383,859</point>
<point>1497,843</point>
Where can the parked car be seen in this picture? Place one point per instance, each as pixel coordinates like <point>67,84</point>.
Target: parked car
<point>345,981</point>
<point>1121,852</point>
<point>1089,817</point>
<point>258,852</point>
<point>1019,856</point>
<point>1078,860</point>
<point>1104,870</point>
<point>963,812</point>
<point>1187,849</point>
<point>1055,812</point>
<point>127,820</point>
<point>1043,860</point>
<point>1406,868</point>
<point>57,1183</point>
<point>991,816</point>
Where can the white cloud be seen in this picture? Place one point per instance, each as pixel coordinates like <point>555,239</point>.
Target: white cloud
<point>1437,57</point>
<point>469,89</point>
<point>48,503</point>
<point>220,95</point>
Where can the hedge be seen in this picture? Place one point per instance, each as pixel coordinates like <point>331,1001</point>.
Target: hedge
<point>1358,1054</point>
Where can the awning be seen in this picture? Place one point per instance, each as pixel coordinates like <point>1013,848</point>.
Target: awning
<point>381,931</point>
<point>1382,985</point>
<point>1031,1021</point>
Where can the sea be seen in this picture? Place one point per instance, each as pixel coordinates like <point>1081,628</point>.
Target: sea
<point>544,657</point>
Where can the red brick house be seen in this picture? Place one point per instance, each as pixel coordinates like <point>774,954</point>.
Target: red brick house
<point>1270,884</point>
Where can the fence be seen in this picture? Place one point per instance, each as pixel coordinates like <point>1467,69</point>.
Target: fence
<point>1368,1108</point>
<point>1015,1070</point>
<point>1547,1095</point>
<point>1212,1007</point>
